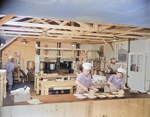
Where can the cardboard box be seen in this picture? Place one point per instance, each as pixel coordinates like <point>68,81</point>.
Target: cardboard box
<point>20,98</point>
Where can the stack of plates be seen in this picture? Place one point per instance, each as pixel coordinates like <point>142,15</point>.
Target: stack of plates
<point>142,91</point>
<point>80,96</point>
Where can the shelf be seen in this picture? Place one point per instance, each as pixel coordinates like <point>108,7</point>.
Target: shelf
<point>50,56</point>
<point>67,49</point>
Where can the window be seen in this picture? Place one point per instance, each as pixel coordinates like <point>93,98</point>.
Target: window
<point>121,52</point>
<point>136,63</point>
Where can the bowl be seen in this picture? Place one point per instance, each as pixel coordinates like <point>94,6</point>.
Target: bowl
<point>134,91</point>
<point>77,95</point>
<point>93,97</point>
<point>104,93</point>
<point>119,96</point>
<point>110,96</point>
<point>81,97</point>
<point>101,96</point>
<point>97,93</point>
<point>86,94</point>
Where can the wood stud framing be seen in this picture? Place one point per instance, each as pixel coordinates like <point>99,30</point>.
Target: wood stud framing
<point>70,31</point>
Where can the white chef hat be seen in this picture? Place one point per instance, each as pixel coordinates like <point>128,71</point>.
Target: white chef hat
<point>9,57</point>
<point>87,66</point>
<point>121,70</point>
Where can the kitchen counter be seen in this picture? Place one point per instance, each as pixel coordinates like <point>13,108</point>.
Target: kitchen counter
<point>67,105</point>
<point>71,98</point>
<point>59,98</point>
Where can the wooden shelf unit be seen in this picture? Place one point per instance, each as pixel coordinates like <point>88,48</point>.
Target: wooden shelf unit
<point>73,57</point>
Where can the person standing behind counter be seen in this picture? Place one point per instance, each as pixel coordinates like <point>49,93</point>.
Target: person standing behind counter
<point>116,82</point>
<point>84,79</point>
<point>9,66</point>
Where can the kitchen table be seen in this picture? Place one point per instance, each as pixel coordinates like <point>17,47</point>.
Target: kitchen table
<point>49,77</point>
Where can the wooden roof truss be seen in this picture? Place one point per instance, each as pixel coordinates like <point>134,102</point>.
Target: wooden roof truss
<point>59,30</point>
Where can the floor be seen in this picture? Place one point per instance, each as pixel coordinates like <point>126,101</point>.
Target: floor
<point>9,99</point>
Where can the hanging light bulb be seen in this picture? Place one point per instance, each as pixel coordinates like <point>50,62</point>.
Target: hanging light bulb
<point>24,41</point>
<point>73,44</point>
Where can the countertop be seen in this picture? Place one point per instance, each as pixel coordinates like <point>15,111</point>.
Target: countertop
<point>60,98</point>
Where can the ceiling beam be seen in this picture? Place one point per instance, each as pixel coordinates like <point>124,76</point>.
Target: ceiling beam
<point>5,19</point>
<point>43,25</point>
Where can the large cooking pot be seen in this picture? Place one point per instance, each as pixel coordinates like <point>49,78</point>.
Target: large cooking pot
<point>42,65</point>
<point>52,66</point>
<point>30,65</point>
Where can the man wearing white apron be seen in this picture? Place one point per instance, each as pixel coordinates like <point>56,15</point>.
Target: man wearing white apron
<point>9,66</point>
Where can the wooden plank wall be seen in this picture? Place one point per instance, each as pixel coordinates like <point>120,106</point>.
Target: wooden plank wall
<point>139,107</point>
<point>27,52</point>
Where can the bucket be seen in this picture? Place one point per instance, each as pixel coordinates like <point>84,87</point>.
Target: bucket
<point>30,65</point>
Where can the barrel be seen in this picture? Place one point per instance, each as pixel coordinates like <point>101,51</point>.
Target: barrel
<point>30,65</point>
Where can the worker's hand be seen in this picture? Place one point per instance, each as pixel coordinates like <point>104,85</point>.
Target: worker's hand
<point>116,89</point>
<point>85,89</point>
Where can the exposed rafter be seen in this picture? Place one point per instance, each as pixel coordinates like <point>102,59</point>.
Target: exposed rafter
<point>70,31</point>
<point>6,18</point>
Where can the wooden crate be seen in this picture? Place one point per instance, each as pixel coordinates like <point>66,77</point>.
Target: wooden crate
<point>3,82</point>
